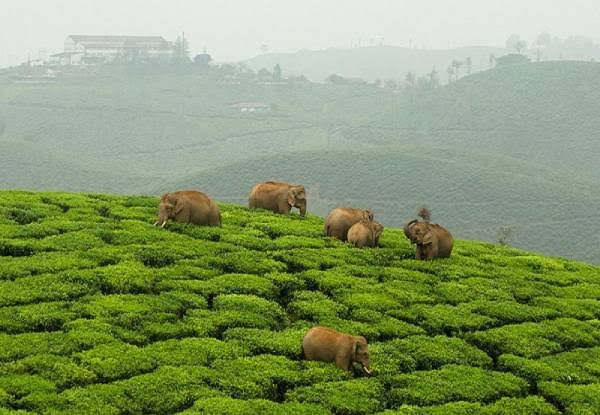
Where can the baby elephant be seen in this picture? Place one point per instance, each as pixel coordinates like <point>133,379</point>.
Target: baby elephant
<point>340,220</point>
<point>188,206</point>
<point>365,233</point>
<point>431,240</point>
<point>327,345</point>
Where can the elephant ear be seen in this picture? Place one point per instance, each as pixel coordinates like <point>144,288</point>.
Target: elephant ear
<point>354,349</point>
<point>291,198</point>
<point>428,238</point>
<point>178,205</point>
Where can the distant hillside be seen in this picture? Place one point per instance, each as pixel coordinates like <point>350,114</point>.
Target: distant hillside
<point>144,130</point>
<point>474,195</point>
<point>376,62</point>
<point>103,313</point>
<point>544,114</point>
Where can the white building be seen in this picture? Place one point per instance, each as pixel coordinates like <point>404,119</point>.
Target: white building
<point>80,49</point>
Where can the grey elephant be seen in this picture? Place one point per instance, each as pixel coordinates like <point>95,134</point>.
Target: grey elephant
<point>365,233</point>
<point>278,197</point>
<point>340,220</point>
<point>328,345</point>
<point>188,206</point>
<point>431,240</point>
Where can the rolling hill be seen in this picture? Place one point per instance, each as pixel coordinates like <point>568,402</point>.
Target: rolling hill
<point>474,196</point>
<point>100,312</point>
<point>374,62</point>
<point>497,140</point>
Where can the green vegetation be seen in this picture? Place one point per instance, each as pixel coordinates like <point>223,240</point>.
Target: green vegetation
<point>510,148</point>
<point>100,312</point>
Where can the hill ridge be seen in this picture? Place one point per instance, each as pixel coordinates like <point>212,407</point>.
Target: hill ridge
<point>102,312</point>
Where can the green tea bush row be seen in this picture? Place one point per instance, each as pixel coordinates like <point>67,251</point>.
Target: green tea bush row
<point>533,340</point>
<point>453,383</point>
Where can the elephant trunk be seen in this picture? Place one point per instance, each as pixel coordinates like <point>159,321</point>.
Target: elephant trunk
<point>407,231</point>
<point>303,210</point>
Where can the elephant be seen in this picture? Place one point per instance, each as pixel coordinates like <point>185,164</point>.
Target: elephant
<point>278,197</point>
<point>188,206</point>
<point>365,233</point>
<point>431,240</point>
<point>327,345</point>
<point>340,220</point>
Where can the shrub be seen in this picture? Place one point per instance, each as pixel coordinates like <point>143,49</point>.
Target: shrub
<point>532,405</point>
<point>287,343</point>
<point>239,284</point>
<point>314,306</point>
<point>426,353</point>
<point>537,339</point>
<point>60,370</point>
<point>443,318</point>
<point>35,317</point>
<point>217,406</point>
<point>575,399</point>
<point>193,351</point>
<point>578,366</point>
<point>358,396</point>
<point>453,383</point>
<point>262,376</point>
<point>114,361</point>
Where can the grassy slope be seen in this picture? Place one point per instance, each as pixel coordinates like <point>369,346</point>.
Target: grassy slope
<point>544,114</point>
<point>133,131</point>
<point>370,63</point>
<point>134,123</point>
<point>473,196</point>
<point>101,312</point>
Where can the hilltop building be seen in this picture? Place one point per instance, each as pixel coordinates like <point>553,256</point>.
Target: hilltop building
<point>81,49</point>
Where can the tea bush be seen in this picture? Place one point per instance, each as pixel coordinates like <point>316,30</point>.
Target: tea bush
<point>101,312</point>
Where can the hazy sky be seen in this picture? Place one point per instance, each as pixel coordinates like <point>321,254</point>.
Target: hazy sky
<point>235,29</point>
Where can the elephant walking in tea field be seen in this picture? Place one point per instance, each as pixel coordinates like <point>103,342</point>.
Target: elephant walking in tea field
<point>431,240</point>
<point>340,220</point>
<point>327,345</point>
<point>188,206</point>
<point>278,197</point>
<point>365,233</point>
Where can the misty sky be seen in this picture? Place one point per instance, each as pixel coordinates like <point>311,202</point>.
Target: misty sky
<point>235,29</point>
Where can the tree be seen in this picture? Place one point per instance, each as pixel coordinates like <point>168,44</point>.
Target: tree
<point>202,59</point>
<point>544,40</point>
<point>512,40</point>
<point>450,72</point>
<point>434,78</point>
<point>520,46</point>
<point>410,79</point>
<point>505,235</point>
<point>469,65</point>
<point>182,50</point>
<point>277,73</point>
<point>515,42</point>
<point>456,64</point>
<point>336,79</point>
<point>390,84</point>
<point>264,75</point>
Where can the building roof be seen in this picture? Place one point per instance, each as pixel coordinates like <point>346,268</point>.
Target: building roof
<point>239,105</point>
<point>104,41</point>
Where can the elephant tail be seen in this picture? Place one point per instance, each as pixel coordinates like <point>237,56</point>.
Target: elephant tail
<point>220,220</point>
<point>425,214</point>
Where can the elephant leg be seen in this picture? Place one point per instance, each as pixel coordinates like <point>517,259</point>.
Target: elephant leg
<point>343,362</point>
<point>284,208</point>
<point>418,253</point>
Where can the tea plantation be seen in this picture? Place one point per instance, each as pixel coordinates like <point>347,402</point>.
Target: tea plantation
<point>102,313</point>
